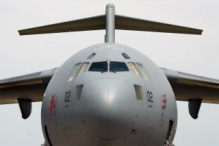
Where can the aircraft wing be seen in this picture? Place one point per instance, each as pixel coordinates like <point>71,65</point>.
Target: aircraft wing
<point>30,87</point>
<point>188,87</point>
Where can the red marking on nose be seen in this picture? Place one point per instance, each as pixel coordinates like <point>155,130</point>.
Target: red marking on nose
<point>52,105</point>
<point>164,100</point>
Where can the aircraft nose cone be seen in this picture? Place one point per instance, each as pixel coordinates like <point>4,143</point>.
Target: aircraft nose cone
<point>103,101</point>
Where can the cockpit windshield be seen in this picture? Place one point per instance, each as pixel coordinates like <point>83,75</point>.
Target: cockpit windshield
<point>99,66</point>
<point>113,65</point>
<point>118,66</point>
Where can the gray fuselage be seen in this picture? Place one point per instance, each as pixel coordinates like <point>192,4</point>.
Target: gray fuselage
<point>129,102</point>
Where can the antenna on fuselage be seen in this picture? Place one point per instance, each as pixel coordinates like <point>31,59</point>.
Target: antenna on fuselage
<point>110,22</point>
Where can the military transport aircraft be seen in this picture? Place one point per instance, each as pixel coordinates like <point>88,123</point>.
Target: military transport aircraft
<point>109,94</point>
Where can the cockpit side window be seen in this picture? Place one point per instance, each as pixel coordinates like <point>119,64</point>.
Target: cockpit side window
<point>118,66</point>
<point>143,72</point>
<point>125,56</point>
<point>99,66</point>
<point>73,72</point>
<point>91,56</point>
<point>133,67</point>
<point>83,68</point>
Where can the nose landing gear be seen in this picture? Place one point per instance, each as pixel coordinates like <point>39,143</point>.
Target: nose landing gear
<point>168,143</point>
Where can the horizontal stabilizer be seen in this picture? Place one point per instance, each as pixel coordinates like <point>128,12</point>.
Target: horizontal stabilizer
<point>99,22</point>
<point>127,23</point>
<point>93,23</point>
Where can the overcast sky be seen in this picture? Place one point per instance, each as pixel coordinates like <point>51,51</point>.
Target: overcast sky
<point>188,53</point>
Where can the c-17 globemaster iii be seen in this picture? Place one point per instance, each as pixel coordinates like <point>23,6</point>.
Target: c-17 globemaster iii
<point>109,94</point>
